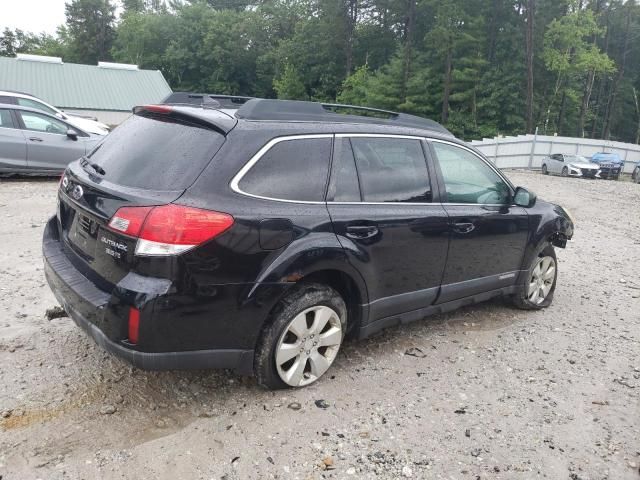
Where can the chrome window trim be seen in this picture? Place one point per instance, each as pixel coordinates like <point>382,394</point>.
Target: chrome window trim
<point>378,135</point>
<point>234,184</point>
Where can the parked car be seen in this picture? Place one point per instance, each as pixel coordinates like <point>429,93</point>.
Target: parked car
<point>611,164</point>
<point>25,100</point>
<point>34,142</point>
<point>635,175</point>
<point>307,225</point>
<point>569,166</point>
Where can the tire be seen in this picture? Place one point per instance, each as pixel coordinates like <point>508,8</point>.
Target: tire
<point>634,176</point>
<point>524,298</point>
<point>565,172</point>
<point>545,171</point>
<point>302,311</point>
<point>637,177</point>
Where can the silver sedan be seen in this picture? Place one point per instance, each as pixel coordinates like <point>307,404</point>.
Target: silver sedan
<point>34,142</point>
<point>570,166</point>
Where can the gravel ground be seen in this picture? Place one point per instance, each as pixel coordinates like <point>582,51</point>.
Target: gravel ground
<point>487,392</point>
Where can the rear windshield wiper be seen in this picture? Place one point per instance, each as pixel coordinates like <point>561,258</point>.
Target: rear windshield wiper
<point>95,166</point>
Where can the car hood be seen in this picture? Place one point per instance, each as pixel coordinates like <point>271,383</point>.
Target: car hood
<point>88,126</point>
<point>584,165</point>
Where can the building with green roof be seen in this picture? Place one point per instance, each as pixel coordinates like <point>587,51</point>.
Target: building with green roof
<point>107,91</point>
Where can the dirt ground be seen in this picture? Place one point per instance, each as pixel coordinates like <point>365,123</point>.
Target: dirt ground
<point>487,392</point>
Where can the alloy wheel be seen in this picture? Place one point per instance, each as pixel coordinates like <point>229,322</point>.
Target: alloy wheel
<point>541,280</point>
<point>308,346</point>
<point>544,169</point>
<point>565,172</point>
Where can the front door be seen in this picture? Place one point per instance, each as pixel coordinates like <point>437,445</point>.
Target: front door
<point>488,233</point>
<point>380,201</point>
<point>48,147</point>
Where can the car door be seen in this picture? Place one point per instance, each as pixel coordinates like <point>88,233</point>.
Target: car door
<point>13,145</point>
<point>48,146</point>
<point>558,163</point>
<point>386,215</point>
<point>488,233</point>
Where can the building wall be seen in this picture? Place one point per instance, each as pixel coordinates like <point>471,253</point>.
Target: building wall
<point>105,116</point>
<point>527,151</point>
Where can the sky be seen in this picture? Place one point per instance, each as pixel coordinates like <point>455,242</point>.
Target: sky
<point>32,15</point>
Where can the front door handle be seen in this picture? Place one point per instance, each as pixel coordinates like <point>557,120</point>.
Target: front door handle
<point>35,139</point>
<point>361,232</point>
<point>464,227</point>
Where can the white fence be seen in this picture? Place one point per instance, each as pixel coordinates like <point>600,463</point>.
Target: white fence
<point>527,151</point>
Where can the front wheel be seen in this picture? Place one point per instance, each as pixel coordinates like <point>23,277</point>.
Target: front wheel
<point>539,285</point>
<point>565,172</point>
<point>303,339</point>
<point>545,171</point>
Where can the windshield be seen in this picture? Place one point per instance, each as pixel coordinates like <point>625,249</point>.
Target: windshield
<point>155,152</point>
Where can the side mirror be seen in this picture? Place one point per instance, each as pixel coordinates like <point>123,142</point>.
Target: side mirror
<point>72,134</point>
<point>524,198</point>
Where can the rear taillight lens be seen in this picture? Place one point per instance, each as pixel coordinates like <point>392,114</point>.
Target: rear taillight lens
<point>169,229</point>
<point>134,325</point>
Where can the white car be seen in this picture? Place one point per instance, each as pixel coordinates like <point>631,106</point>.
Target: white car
<point>26,100</point>
<point>570,166</point>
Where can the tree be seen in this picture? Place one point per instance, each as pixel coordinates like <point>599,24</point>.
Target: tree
<point>90,26</point>
<point>569,54</point>
<point>289,85</point>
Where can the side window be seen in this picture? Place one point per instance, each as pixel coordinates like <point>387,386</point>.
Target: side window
<point>391,169</point>
<point>42,123</point>
<point>6,121</point>
<point>467,178</point>
<point>26,102</point>
<point>344,178</point>
<point>291,170</point>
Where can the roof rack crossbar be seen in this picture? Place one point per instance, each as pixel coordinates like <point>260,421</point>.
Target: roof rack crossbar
<point>294,110</point>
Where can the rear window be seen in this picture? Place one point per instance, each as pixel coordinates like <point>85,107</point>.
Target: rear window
<point>156,153</point>
<point>291,170</point>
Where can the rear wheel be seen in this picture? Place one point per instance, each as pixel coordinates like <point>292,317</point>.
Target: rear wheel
<point>565,172</point>
<point>303,339</point>
<point>545,171</point>
<point>539,285</point>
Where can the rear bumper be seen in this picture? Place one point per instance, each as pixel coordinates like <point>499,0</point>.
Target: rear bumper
<point>99,314</point>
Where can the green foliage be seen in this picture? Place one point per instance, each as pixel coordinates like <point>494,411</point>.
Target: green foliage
<point>90,26</point>
<point>289,85</point>
<point>463,60</point>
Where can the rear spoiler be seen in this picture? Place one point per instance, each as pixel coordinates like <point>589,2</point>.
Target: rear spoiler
<point>206,118</point>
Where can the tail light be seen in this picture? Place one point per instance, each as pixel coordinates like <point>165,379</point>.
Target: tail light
<point>169,229</point>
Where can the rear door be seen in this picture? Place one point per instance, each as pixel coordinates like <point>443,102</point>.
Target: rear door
<point>488,233</point>
<point>382,205</point>
<point>13,145</point>
<point>48,147</point>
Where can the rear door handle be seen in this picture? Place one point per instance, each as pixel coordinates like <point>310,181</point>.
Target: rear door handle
<point>463,227</point>
<point>361,232</point>
<point>35,139</point>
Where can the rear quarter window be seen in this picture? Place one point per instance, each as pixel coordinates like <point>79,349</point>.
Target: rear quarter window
<point>156,152</point>
<point>293,169</point>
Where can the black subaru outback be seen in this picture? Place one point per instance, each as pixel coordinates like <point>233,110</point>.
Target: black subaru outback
<point>257,241</point>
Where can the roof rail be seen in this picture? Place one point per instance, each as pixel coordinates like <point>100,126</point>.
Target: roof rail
<point>205,99</point>
<point>294,110</point>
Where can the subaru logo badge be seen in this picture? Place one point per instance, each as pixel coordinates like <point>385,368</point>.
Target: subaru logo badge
<point>77,192</point>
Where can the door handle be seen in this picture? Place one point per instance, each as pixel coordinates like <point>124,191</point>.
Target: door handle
<point>463,227</point>
<point>35,139</point>
<point>361,232</point>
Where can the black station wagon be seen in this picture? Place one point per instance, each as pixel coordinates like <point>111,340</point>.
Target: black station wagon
<point>258,240</point>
